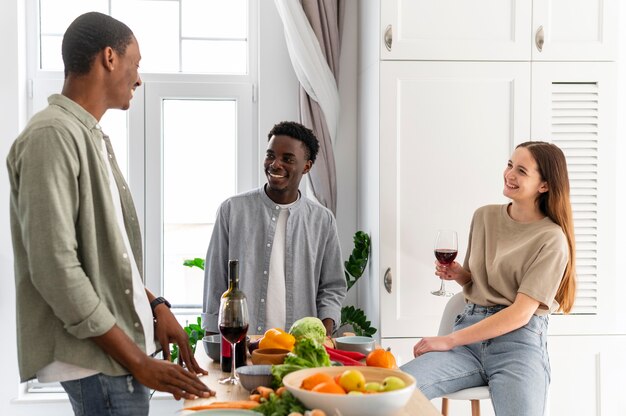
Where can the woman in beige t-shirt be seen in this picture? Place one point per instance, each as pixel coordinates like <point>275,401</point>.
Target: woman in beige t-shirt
<point>519,267</point>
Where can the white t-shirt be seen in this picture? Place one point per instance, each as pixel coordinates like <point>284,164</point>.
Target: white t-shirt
<point>60,371</point>
<point>275,311</point>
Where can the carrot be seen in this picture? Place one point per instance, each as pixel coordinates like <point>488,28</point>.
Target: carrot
<point>241,404</point>
<point>264,391</point>
<point>255,397</point>
<point>281,390</point>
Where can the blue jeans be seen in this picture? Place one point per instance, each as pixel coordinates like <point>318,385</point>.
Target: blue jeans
<point>514,365</point>
<point>101,395</point>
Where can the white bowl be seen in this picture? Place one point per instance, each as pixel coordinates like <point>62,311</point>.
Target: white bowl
<point>364,345</point>
<point>378,404</point>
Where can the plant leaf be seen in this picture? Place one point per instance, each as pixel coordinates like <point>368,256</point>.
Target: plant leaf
<point>197,262</point>
<point>357,319</point>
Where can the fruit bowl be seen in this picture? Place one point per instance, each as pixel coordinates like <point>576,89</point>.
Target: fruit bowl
<point>375,404</point>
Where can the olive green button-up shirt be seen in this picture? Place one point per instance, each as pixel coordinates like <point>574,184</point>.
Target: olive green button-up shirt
<point>72,278</point>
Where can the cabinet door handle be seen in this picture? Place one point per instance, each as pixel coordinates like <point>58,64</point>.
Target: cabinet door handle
<point>388,37</point>
<point>539,38</point>
<point>388,279</point>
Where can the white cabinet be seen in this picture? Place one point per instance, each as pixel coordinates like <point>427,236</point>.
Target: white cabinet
<point>446,132</point>
<point>496,30</point>
<point>440,114</point>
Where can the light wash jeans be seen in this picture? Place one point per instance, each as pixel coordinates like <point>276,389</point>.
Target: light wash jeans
<point>101,395</point>
<point>514,365</point>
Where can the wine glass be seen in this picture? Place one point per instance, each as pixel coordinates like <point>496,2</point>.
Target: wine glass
<point>446,248</point>
<point>233,323</point>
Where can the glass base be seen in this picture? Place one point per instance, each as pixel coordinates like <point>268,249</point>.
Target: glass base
<point>442,293</point>
<point>229,380</point>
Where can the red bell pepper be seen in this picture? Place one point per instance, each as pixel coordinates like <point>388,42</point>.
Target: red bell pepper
<point>345,357</point>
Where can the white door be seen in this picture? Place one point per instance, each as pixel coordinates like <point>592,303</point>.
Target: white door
<point>575,30</point>
<point>574,106</point>
<point>472,30</point>
<point>447,130</point>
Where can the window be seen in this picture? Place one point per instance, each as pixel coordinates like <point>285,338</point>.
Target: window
<point>189,139</point>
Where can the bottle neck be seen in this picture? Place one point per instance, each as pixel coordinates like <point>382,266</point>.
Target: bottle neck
<point>233,275</point>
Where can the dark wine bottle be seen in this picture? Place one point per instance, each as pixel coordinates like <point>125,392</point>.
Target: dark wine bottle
<point>233,333</point>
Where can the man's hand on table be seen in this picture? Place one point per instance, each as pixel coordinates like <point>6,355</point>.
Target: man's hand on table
<point>165,376</point>
<point>167,330</point>
<point>151,372</point>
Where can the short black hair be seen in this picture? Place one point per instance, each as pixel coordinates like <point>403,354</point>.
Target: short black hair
<point>299,132</point>
<point>87,35</point>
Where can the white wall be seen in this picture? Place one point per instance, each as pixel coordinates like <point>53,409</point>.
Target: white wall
<point>278,100</point>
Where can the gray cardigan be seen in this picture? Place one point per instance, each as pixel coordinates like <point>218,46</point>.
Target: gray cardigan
<point>244,230</point>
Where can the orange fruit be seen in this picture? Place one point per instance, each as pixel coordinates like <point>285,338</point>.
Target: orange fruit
<point>381,358</point>
<point>329,387</point>
<point>314,379</point>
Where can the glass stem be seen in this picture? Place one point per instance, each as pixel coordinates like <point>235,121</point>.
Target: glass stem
<point>232,354</point>
<point>443,286</point>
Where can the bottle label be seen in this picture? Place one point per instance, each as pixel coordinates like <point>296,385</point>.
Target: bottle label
<point>225,348</point>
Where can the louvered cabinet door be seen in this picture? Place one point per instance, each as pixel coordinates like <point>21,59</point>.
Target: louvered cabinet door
<point>574,107</point>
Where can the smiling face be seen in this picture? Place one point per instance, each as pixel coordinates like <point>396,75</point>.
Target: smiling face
<point>522,180</point>
<point>124,75</point>
<point>285,162</point>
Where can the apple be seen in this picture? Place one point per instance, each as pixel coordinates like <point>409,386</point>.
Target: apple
<point>373,386</point>
<point>352,380</point>
<point>393,383</point>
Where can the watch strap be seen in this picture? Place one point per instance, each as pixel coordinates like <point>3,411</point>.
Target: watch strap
<point>157,301</point>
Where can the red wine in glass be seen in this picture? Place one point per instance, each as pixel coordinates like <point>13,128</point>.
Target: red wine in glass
<point>446,248</point>
<point>445,256</point>
<point>234,334</point>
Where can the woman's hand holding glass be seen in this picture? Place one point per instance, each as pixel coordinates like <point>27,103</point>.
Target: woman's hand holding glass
<point>453,271</point>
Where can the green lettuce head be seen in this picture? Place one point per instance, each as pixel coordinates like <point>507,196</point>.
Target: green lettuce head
<point>309,327</point>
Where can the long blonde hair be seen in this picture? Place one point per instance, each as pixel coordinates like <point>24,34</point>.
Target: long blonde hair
<point>555,203</point>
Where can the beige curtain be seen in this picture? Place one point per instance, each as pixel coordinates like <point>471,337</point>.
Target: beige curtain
<point>313,37</point>
<point>326,18</point>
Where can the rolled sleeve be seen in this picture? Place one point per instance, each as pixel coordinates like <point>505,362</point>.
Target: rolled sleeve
<point>97,323</point>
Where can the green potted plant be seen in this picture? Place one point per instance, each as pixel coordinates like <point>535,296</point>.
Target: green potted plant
<point>353,270</point>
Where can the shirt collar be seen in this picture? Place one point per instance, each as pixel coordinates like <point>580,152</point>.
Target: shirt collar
<point>75,109</point>
<point>273,205</point>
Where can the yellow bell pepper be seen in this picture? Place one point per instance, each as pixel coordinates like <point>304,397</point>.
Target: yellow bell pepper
<point>277,338</point>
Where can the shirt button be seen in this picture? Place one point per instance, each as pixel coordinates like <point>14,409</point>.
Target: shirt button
<point>264,271</point>
<point>125,255</point>
<point>262,300</point>
<point>277,207</point>
<point>273,218</point>
<point>258,328</point>
<point>268,244</point>
<point>110,156</point>
<point>136,324</point>
<point>127,291</point>
<point>123,187</point>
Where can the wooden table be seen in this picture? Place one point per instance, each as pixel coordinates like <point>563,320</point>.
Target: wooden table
<point>418,404</point>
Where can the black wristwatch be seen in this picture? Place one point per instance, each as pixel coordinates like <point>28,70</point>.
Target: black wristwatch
<point>157,301</point>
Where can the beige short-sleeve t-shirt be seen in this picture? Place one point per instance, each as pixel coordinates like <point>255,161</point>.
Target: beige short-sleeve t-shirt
<point>507,257</point>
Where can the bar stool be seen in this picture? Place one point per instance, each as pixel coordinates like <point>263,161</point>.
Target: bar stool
<point>474,394</point>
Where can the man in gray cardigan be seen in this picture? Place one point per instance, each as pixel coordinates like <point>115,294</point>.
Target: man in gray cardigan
<point>287,245</point>
<point>84,316</point>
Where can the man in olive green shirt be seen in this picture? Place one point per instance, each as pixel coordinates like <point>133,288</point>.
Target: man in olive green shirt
<point>84,316</point>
